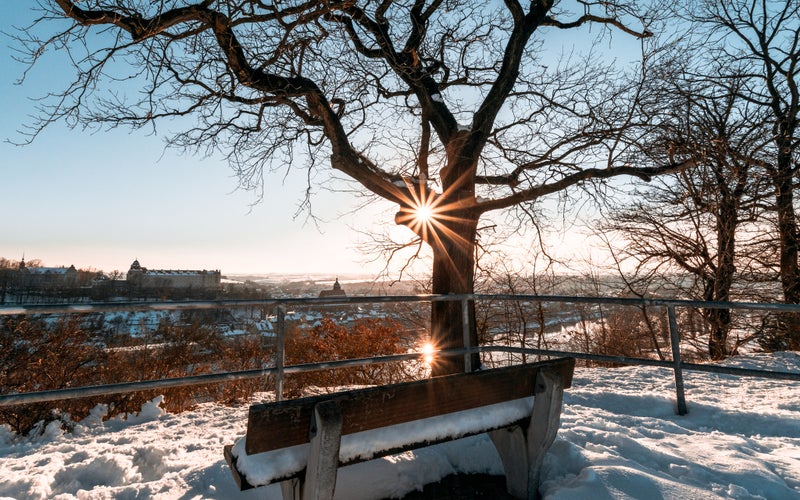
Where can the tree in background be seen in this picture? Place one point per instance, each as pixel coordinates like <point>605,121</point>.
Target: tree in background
<point>761,38</point>
<point>450,109</point>
<point>688,223</point>
<point>737,109</point>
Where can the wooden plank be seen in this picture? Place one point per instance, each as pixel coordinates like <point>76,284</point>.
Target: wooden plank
<point>286,423</point>
<point>241,481</point>
<point>319,482</point>
<point>545,421</point>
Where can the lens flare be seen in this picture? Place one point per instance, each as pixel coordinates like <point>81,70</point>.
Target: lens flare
<point>428,352</point>
<point>441,220</point>
<point>423,213</point>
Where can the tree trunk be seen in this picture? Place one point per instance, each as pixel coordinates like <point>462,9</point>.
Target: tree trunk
<point>454,273</point>
<point>789,323</point>
<point>720,319</point>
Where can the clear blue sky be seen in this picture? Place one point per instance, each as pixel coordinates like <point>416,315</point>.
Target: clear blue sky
<point>103,199</point>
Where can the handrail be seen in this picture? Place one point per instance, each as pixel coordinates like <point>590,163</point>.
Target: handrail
<point>676,364</point>
<point>128,387</point>
<point>92,307</point>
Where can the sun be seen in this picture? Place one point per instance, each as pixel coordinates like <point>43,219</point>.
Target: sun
<point>428,352</point>
<point>423,213</point>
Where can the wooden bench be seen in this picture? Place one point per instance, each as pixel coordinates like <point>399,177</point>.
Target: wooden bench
<point>301,443</point>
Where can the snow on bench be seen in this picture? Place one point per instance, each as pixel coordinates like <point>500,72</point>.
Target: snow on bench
<point>301,443</point>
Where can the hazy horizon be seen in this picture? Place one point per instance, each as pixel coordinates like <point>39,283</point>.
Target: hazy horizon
<point>103,198</point>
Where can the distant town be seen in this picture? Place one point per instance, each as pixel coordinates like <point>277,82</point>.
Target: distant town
<point>31,282</point>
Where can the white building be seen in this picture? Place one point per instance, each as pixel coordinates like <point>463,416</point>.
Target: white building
<point>141,277</point>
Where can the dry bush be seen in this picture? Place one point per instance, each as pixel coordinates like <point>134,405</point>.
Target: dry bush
<point>36,355</point>
<point>328,341</point>
<point>187,350</point>
<point>776,331</point>
<point>244,352</point>
<point>621,332</point>
<point>169,352</point>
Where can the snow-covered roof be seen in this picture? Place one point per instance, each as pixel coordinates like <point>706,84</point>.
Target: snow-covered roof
<point>47,270</point>
<point>177,272</point>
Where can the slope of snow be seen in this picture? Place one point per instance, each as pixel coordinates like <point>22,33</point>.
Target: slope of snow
<point>619,438</point>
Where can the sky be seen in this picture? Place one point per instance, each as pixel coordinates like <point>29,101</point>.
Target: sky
<point>100,199</point>
<point>619,439</point>
<point>103,199</point>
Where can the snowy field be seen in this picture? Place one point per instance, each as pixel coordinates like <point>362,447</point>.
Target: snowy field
<point>619,438</point>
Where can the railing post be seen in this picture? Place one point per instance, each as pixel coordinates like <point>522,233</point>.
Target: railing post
<point>675,342</point>
<point>466,329</point>
<point>280,356</point>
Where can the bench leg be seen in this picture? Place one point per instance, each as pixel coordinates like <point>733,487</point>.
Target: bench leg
<point>323,456</point>
<point>291,489</point>
<point>521,450</point>
<point>319,482</point>
<point>510,444</point>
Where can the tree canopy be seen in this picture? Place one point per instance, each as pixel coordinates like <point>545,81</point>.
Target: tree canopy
<point>461,107</point>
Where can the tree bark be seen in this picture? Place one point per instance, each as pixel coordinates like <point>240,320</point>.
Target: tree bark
<point>788,247</point>
<point>720,319</point>
<point>454,273</point>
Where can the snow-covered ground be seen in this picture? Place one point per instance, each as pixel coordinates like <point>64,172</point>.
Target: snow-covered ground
<point>619,438</point>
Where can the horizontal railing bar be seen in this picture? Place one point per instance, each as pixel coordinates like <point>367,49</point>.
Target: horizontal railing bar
<point>744,372</point>
<point>28,309</point>
<point>727,370</point>
<point>636,301</point>
<point>128,387</point>
<point>623,360</point>
<point>208,378</point>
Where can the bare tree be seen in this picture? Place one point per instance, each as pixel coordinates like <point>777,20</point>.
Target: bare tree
<point>762,37</point>
<point>515,322</point>
<point>688,223</point>
<point>448,108</point>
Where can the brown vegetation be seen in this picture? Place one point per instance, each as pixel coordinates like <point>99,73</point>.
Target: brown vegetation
<point>329,341</point>
<point>37,355</point>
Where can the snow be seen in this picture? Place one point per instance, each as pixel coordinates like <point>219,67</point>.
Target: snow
<point>261,468</point>
<point>619,438</point>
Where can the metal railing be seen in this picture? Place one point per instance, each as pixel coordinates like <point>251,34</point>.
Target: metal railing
<point>280,370</point>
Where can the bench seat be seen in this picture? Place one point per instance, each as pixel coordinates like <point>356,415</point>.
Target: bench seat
<point>301,443</point>
<point>266,468</point>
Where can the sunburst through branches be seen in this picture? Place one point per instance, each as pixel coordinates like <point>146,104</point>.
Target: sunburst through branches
<point>439,223</point>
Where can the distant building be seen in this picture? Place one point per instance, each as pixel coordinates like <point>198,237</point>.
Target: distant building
<point>45,277</point>
<point>141,277</point>
<point>335,292</point>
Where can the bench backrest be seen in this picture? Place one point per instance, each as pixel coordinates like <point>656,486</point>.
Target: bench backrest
<point>282,424</point>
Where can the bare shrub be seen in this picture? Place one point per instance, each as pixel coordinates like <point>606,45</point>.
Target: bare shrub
<point>186,350</point>
<point>36,355</point>
<point>329,341</point>
<point>620,332</point>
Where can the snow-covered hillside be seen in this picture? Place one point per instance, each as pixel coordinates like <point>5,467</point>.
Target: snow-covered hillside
<point>619,438</point>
